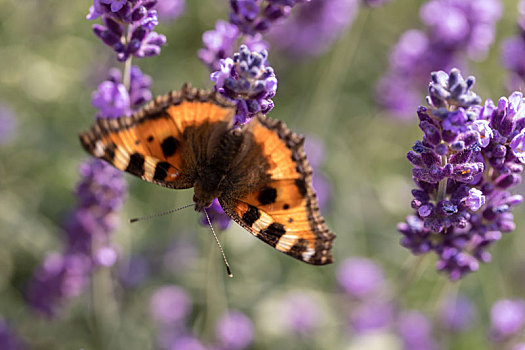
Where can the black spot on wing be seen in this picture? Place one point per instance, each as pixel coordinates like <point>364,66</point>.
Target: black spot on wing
<point>136,164</point>
<point>286,206</point>
<point>169,146</point>
<point>273,233</point>
<point>298,248</point>
<point>301,186</point>
<point>251,215</point>
<point>267,195</point>
<point>150,138</point>
<point>161,171</point>
<point>109,152</point>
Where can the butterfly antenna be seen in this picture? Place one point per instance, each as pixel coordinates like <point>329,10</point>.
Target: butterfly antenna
<point>228,270</point>
<point>160,214</point>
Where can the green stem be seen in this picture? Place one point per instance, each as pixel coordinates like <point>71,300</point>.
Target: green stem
<point>126,74</point>
<point>442,187</point>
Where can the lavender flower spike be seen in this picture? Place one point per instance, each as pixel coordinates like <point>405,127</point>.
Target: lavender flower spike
<point>247,80</point>
<point>468,158</point>
<point>123,19</point>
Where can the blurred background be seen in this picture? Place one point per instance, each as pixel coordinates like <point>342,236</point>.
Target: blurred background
<point>166,288</point>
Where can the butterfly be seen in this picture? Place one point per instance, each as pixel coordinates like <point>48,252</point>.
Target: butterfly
<point>258,171</point>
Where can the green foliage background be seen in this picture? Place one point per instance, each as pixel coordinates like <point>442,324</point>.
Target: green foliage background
<point>50,64</point>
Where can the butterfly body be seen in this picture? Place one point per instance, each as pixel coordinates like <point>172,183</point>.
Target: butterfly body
<point>258,171</point>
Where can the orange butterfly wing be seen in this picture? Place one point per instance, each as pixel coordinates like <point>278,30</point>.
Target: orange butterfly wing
<point>283,211</point>
<point>161,142</point>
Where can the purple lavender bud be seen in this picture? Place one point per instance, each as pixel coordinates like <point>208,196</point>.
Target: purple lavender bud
<point>170,10</point>
<point>234,330</point>
<point>217,215</point>
<point>506,181</point>
<point>360,277</point>
<point>111,99</point>
<point>507,318</point>
<point>415,159</point>
<point>116,5</point>
<point>475,199</point>
<point>452,91</point>
<point>425,210</point>
<point>151,45</point>
<point>461,157</point>
<point>457,314</point>
<point>517,145</point>
<point>170,305</point>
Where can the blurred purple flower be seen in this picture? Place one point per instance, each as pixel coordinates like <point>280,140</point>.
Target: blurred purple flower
<point>463,167</point>
<point>520,346</point>
<point>371,315</point>
<point>180,256</point>
<point>457,313</point>
<point>313,148</point>
<point>218,44</point>
<point>360,277</point>
<point>59,278</point>
<point>9,340</point>
<point>507,318</point>
<point>187,342</point>
<point>300,312</point>
<point>217,215</point>
<point>170,10</point>
<point>7,124</point>
<point>170,305</point>
<point>100,194</point>
<point>234,330</point>
<point>416,331</point>
<point>133,271</point>
<point>248,80</point>
<point>465,28</point>
<point>111,99</point>
<point>256,16</point>
<point>313,27</point>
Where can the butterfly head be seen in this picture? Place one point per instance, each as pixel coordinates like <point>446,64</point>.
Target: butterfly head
<point>204,195</point>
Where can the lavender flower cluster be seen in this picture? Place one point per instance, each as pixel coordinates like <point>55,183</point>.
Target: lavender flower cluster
<point>462,28</point>
<point>100,193</point>
<point>248,80</point>
<point>256,16</point>
<point>469,158</point>
<point>127,27</point>
<point>112,99</point>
